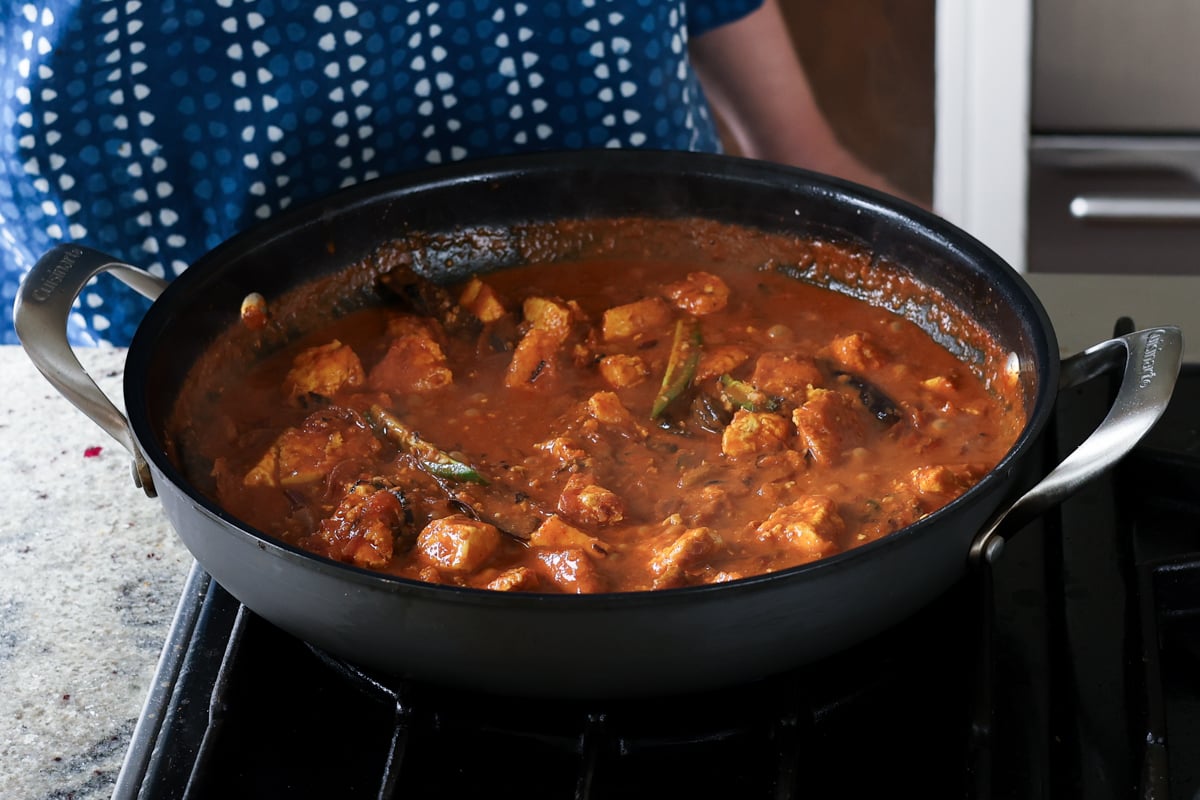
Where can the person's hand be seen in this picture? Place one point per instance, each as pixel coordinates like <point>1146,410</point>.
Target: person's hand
<point>758,87</point>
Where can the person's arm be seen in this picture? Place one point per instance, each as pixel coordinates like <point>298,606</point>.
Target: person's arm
<point>757,85</point>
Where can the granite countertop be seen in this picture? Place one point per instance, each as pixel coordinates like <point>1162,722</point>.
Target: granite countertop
<point>90,575</point>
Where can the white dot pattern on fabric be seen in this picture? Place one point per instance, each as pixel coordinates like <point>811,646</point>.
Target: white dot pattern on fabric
<point>155,131</point>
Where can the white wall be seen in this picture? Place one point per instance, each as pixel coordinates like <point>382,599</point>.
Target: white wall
<point>982,68</point>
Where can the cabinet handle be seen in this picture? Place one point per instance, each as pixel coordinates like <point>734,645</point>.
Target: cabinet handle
<point>1135,209</point>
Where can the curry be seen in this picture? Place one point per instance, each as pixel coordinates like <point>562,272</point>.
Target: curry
<point>604,424</point>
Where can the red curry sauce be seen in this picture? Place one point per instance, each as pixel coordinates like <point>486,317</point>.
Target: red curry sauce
<point>509,439</point>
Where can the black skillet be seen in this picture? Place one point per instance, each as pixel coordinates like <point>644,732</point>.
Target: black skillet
<point>608,644</point>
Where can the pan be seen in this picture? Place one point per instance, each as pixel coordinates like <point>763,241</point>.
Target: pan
<point>609,644</point>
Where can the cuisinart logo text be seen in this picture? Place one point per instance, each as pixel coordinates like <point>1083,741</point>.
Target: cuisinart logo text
<point>46,287</point>
<point>1154,346</point>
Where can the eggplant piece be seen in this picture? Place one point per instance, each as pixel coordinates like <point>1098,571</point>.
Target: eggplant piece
<point>714,411</point>
<point>514,513</point>
<point>711,413</point>
<point>500,336</point>
<point>872,397</point>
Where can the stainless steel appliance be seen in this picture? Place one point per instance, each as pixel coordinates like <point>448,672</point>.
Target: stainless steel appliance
<point>1114,161</point>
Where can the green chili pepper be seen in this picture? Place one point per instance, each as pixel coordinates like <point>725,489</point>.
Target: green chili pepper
<point>434,461</point>
<point>681,365</point>
<point>746,396</point>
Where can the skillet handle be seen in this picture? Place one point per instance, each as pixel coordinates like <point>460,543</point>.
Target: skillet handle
<point>40,317</point>
<point>1151,364</point>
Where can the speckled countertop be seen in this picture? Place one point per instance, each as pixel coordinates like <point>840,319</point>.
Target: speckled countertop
<point>90,575</point>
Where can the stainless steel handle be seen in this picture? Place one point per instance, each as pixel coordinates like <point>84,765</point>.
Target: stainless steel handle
<point>1081,157</point>
<point>1075,153</point>
<point>1115,208</point>
<point>40,317</point>
<point>1151,363</point>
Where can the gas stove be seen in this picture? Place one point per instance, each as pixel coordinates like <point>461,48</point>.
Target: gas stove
<point>1065,670</point>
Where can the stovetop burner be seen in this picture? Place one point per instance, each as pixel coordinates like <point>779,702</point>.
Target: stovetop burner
<point>1069,671</point>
